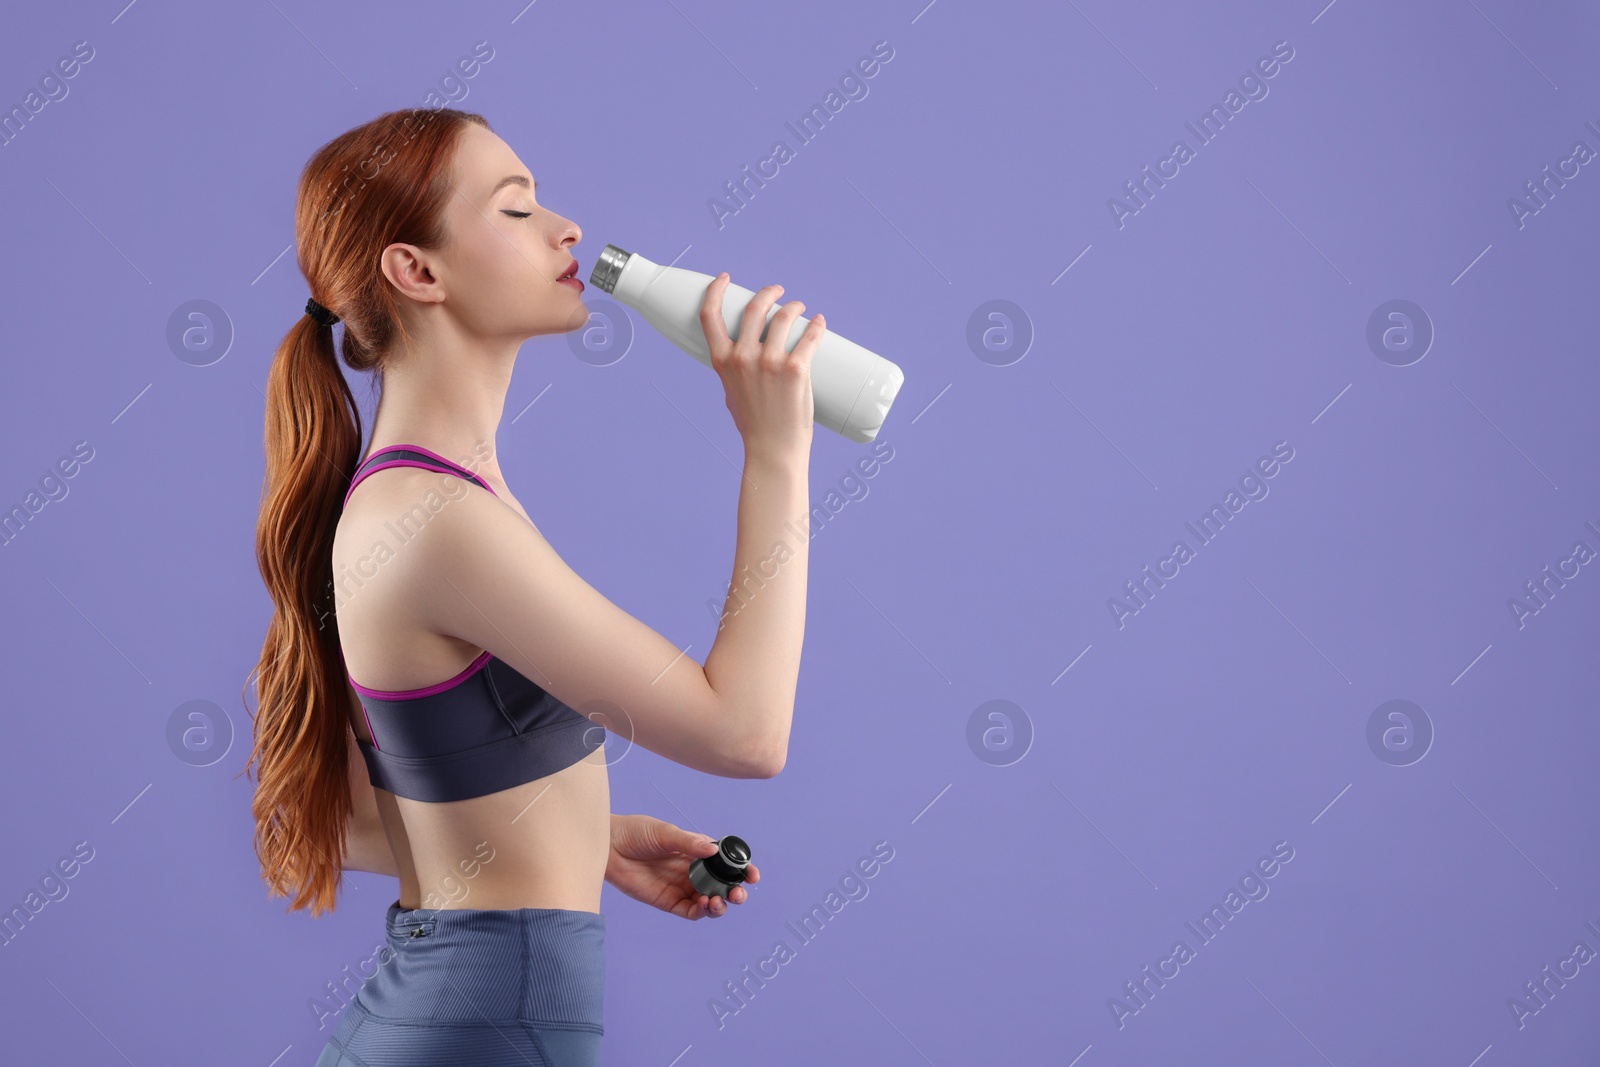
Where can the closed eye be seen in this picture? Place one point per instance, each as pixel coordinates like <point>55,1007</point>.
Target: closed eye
<point>515,214</point>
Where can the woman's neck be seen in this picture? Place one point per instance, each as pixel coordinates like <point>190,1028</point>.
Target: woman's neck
<point>449,402</point>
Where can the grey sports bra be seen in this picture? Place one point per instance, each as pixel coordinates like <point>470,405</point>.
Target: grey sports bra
<point>486,729</point>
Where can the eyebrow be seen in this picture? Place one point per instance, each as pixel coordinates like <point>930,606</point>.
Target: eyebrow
<point>513,179</point>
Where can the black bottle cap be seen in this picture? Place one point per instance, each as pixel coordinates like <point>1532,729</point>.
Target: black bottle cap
<point>730,860</point>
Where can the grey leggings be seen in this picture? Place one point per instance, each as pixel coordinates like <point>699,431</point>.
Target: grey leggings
<point>488,987</point>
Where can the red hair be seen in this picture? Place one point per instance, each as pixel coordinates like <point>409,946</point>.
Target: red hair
<point>383,182</point>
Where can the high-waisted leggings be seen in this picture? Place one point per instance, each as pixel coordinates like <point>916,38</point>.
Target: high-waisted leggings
<point>488,987</point>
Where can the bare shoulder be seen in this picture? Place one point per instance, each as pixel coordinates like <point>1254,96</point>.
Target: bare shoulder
<point>470,536</point>
<point>414,495</point>
<point>396,527</point>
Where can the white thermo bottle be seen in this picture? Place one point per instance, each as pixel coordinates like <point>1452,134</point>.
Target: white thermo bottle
<point>851,386</point>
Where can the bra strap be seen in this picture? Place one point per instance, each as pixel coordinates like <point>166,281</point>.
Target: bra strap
<point>411,456</point>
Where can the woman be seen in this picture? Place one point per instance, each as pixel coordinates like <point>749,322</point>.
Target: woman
<point>467,760</point>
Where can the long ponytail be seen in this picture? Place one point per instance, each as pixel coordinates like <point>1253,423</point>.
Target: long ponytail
<point>380,183</point>
<point>302,802</point>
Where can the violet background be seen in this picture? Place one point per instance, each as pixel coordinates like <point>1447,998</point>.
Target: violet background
<point>1231,713</point>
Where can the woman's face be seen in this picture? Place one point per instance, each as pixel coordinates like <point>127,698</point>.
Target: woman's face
<point>503,252</point>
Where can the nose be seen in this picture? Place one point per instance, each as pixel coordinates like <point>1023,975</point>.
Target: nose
<point>568,233</point>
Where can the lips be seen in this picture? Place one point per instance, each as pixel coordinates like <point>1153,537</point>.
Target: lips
<point>570,279</point>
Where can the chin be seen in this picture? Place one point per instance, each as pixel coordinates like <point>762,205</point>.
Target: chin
<point>575,319</point>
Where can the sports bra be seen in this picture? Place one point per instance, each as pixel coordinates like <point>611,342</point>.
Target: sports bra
<point>486,729</point>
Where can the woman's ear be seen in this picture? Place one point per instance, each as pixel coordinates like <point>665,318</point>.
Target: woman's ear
<point>411,271</point>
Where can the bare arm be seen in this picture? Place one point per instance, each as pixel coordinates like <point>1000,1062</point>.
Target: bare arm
<point>489,577</point>
<point>366,844</point>
<point>755,662</point>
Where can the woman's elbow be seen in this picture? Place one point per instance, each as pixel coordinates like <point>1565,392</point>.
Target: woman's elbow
<point>367,849</point>
<point>769,766</point>
<point>767,761</point>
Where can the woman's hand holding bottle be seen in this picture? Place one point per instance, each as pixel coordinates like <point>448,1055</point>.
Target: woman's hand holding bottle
<point>768,389</point>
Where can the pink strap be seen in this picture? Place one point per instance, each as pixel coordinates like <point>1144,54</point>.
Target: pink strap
<point>449,467</point>
<point>478,663</point>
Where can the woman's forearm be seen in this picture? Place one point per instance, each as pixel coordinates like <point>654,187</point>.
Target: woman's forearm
<point>754,663</point>
<point>367,847</point>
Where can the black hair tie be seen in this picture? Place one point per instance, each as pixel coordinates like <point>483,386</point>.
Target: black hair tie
<point>320,313</point>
